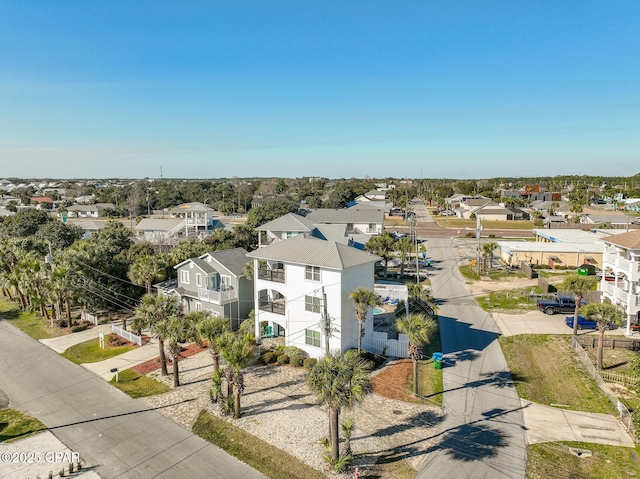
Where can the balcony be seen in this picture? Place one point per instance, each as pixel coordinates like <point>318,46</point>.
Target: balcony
<point>613,292</point>
<point>217,296</point>
<point>275,275</point>
<point>277,306</point>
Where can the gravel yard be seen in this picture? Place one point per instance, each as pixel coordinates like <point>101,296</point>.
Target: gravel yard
<point>278,407</point>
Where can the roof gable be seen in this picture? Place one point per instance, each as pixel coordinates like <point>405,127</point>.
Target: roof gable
<point>233,260</point>
<point>288,222</point>
<point>312,251</point>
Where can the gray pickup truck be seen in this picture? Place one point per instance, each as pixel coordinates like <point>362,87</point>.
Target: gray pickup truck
<point>562,304</point>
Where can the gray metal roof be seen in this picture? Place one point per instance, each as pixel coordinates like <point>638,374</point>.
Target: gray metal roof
<point>157,224</point>
<point>288,222</point>
<point>189,207</point>
<point>232,259</point>
<point>346,215</point>
<point>315,252</point>
<point>329,232</point>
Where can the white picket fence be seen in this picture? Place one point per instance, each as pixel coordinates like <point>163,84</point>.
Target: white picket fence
<point>92,318</point>
<point>128,335</point>
<point>380,343</point>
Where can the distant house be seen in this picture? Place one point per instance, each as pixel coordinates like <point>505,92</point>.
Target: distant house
<point>188,221</point>
<point>214,282</point>
<point>612,219</point>
<point>289,279</point>
<point>40,199</point>
<point>357,221</point>
<point>90,211</point>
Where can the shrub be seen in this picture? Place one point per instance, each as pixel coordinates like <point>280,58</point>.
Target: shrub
<point>279,349</point>
<point>115,340</point>
<point>283,359</point>
<point>297,360</point>
<point>294,351</point>
<point>310,362</point>
<point>79,327</point>
<point>269,357</point>
<point>62,323</point>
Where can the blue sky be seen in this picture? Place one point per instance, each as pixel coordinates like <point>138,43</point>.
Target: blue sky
<point>456,89</point>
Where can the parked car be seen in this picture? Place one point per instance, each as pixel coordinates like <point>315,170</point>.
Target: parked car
<point>583,323</point>
<point>398,235</point>
<point>562,304</point>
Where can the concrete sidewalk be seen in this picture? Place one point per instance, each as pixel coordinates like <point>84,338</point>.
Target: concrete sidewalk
<point>62,343</point>
<point>547,424</point>
<point>124,361</point>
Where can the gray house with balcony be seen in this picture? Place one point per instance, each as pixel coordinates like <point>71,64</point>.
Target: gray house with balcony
<point>214,282</point>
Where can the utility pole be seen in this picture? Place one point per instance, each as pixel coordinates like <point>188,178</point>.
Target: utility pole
<point>327,323</point>
<point>49,259</point>
<point>478,230</point>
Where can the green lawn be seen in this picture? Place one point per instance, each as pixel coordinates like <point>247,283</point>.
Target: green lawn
<point>545,371</point>
<point>91,352</point>
<point>429,378</point>
<point>137,385</point>
<point>29,323</point>
<point>15,425</point>
<point>554,460</point>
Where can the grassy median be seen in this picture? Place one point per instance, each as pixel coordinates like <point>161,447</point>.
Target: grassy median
<point>91,352</point>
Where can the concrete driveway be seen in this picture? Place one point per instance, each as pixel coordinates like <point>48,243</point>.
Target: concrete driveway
<point>536,322</point>
<point>62,343</point>
<point>546,424</point>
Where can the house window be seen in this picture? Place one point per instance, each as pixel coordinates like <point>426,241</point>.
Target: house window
<point>372,226</point>
<point>225,283</point>
<point>312,273</point>
<point>198,280</point>
<point>312,338</point>
<point>312,304</point>
<point>198,306</point>
<point>184,277</point>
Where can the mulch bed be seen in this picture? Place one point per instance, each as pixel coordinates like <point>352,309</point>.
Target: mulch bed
<point>154,364</point>
<point>392,382</point>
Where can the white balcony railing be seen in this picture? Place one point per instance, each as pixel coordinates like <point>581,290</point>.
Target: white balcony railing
<point>217,297</point>
<point>614,292</point>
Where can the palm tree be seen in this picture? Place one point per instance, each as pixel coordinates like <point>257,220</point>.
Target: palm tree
<point>363,299</point>
<point>382,245</point>
<point>606,316</point>
<point>339,381</point>
<point>578,285</point>
<point>420,329</point>
<point>404,247</point>
<point>172,331</point>
<point>212,329</point>
<point>150,314</point>
<point>576,209</point>
<point>487,252</point>
<point>145,270</point>
<point>238,355</point>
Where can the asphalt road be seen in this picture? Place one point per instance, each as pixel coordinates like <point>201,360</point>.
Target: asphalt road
<point>483,434</point>
<point>117,436</point>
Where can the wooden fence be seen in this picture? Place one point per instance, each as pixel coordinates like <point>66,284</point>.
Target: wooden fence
<point>624,379</point>
<point>624,414</point>
<point>609,342</point>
